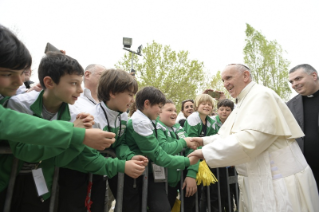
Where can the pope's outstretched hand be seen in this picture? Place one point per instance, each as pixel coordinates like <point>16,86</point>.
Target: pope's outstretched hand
<point>198,140</point>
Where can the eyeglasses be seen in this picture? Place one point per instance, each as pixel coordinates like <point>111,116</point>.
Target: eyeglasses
<point>188,100</point>
<point>238,64</point>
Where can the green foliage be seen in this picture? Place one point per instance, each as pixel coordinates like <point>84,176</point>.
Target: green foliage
<point>266,61</point>
<point>177,76</point>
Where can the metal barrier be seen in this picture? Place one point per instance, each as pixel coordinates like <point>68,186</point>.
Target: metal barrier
<point>120,187</point>
<point>229,181</point>
<point>5,149</point>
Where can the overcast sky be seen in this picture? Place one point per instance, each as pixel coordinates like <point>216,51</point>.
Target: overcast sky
<point>212,31</point>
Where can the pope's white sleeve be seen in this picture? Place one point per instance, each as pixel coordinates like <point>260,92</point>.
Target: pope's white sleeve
<point>237,148</point>
<point>210,139</point>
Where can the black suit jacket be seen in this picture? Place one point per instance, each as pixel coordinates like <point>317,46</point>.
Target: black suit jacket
<point>296,107</point>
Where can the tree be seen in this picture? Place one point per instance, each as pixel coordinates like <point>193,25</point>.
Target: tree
<point>266,61</point>
<point>177,76</point>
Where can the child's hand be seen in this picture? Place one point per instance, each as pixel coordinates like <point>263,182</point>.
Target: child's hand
<point>198,140</point>
<point>134,168</point>
<point>191,186</point>
<point>197,153</point>
<point>193,159</point>
<point>141,158</point>
<point>84,120</point>
<point>192,144</point>
<point>37,88</point>
<point>98,139</point>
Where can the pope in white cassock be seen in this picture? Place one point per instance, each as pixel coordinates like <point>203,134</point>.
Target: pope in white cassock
<point>259,139</point>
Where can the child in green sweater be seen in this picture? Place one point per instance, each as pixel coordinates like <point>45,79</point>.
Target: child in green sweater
<point>116,93</point>
<point>142,138</point>
<point>61,78</point>
<point>15,60</point>
<point>171,138</point>
<point>200,124</point>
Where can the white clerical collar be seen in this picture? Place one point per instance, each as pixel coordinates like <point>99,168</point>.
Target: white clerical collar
<point>87,94</point>
<point>245,91</point>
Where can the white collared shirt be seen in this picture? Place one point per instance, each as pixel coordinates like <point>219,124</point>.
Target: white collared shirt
<point>85,101</point>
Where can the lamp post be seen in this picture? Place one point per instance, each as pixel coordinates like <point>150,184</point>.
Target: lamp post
<point>127,43</point>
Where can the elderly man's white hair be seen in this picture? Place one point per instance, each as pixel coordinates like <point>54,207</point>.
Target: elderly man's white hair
<point>92,67</point>
<point>241,68</point>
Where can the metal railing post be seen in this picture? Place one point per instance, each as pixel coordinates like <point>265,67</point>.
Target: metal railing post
<point>196,201</point>
<point>106,200</point>
<point>181,191</point>
<point>145,190</point>
<point>119,195</point>
<point>208,199</point>
<point>7,203</point>
<point>237,193</point>
<point>228,190</point>
<point>54,189</point>
<point>166,180</point>
<point>218,188</point>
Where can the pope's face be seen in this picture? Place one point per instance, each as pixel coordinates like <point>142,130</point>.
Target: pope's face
<point>234,80</point>
<point>303,83</point>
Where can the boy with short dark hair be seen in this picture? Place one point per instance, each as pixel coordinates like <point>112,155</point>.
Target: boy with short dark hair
<point>61,87</point>
<point>60,76</point>
<point>141,137</point>
<point>116,93</point>
<point>15,59</point>
<point>224,108</point>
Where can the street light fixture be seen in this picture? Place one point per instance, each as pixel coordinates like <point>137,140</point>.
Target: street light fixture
<point>127,43</point>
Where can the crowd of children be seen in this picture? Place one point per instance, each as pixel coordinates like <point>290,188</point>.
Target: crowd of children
<point>49,129</point>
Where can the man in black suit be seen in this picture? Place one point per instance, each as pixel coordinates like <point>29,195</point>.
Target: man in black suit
<point>305,107</point>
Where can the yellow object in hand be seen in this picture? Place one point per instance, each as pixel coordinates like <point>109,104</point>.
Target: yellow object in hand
<point>204,175</point>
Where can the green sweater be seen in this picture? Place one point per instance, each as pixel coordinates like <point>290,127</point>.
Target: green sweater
<point>141,138</point>
<point>194,125</point>
<point>89,160</point>
<point>17,126</point>
<point>20,127</point>
<point>115,122</point>
<point>172,142</point>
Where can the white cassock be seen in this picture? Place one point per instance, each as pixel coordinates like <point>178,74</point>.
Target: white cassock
<point>259,139</point>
